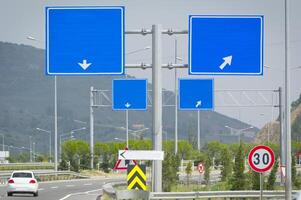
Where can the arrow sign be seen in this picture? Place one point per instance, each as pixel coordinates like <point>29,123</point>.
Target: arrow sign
<point>84,64</point>
<point>127,105</point>
<point>140,155</point>
<point>198,104</point>
<point>227,61</point>
<point>223,38</point>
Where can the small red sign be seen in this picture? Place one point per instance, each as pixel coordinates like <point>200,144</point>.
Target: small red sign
<point>201,168</point>
<point>261,158</point>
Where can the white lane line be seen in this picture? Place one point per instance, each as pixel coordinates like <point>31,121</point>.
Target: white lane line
<point>79,193</point>
<point>88,184</point>
<point>54,187</point>
<point>40,189</point>
<point>70,185</point>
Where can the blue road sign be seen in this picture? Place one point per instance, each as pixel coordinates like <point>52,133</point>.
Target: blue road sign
<point>129,94</point>
<point>84,40</point>
<point>225,45</point>
<point>196,94</point>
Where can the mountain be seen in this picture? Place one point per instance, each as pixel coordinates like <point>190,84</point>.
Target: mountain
<point>27,102</point>
<point>273,128</point>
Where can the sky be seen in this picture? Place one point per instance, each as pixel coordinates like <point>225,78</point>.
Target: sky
<point>22,18</point>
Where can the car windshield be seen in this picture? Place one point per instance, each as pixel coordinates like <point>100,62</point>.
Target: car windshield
<point>22,175</point>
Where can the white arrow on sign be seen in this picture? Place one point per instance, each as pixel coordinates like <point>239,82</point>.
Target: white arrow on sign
<point>140,155</point>
<point>227,61</point>
<point>198,104</point>
<point>84,64</point>
<point>127,105</point>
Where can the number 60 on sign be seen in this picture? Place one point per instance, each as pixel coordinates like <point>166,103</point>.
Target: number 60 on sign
<point>261,158</point>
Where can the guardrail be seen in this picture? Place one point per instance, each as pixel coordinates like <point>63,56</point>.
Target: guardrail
<point>132,194</point>
<point>216,194</point>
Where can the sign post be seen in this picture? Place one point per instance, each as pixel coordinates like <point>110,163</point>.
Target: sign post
<point>261,159</point>
<point>196,94</point>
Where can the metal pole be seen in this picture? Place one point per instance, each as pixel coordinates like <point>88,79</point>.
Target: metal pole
<point>55,125</point>
<point>50,147</point>
<point>30,150</point>
<point>33,150</point>
<point>282,136</point>
<point>176,99</point>
<point>3,142</point>
<point>157,104</point>
<point>127,127</point>
<point>199,130</point>
<point>91,129</point>
<point>287,114</point>
<point>261,186</point>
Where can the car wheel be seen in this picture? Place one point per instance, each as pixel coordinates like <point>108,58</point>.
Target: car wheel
<point>35,194</point>
<point>9,194</point>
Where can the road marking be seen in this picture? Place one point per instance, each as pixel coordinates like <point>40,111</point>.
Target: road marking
<point>41,189</point>
<point>54,187</point>
<point>70,185</point>
<point>79,193</point>
<point>88,184</point>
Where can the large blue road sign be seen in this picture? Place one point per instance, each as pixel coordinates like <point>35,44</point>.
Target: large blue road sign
<point>129,94</point>
<point>196,94</point>
<point>84,40</point>
<point>225,45</point>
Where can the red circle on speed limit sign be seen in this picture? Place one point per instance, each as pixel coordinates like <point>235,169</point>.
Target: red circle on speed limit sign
<point>261,158</point>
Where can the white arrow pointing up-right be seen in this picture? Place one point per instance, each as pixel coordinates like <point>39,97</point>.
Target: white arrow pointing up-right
<point>227,61</point>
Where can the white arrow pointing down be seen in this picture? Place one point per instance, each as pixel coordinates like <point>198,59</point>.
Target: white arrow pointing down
<point>84,64</point>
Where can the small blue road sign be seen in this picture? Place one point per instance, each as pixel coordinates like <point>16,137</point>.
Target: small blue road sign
<point>84,40</point>
<point>225,45</point>
<point>196,94</point>
<point>129,94</point>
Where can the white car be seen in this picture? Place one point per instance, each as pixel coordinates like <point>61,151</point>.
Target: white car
<point>22,182</point>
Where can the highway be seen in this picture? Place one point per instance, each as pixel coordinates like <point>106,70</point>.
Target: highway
<point>87,189</point>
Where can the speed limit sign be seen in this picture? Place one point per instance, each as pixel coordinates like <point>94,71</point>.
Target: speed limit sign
<point>261,158</point>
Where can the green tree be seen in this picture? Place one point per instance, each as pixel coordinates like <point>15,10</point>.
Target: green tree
<point>170,175</point>
<point>207,170</point>
<point>188,171</point>
<point>272,176</point>
<point>77,153</point>
<point>226,170</point>
<point>238,181</point>
<point>255,180</point>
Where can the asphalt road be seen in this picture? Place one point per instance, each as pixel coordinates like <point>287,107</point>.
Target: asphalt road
<point>87,189</point>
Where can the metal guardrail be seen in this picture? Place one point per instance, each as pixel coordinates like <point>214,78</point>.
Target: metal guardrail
<point>130,194</point>
<point>216,194</point>
<point>28,164</point>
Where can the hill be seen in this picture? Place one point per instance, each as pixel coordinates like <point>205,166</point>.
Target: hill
<point>273,128</point>
<point>27,102</point>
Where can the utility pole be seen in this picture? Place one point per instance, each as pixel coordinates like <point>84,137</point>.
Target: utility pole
<point>287,110</point>
<point>55,125</point>
<point>91,129</point>
<point>157,104</point>
<point>176,99</point>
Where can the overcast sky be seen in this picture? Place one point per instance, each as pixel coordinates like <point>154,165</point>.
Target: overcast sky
<point>21,18</point>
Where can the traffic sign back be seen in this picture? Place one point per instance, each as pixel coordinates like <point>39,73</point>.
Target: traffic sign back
<point>129,94</point>
<point>225,45</point>
<point>84,40</point>
<point>196,94</point>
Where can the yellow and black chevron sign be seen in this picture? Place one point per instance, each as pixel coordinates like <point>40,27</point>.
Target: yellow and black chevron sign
<point>136,177</point>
